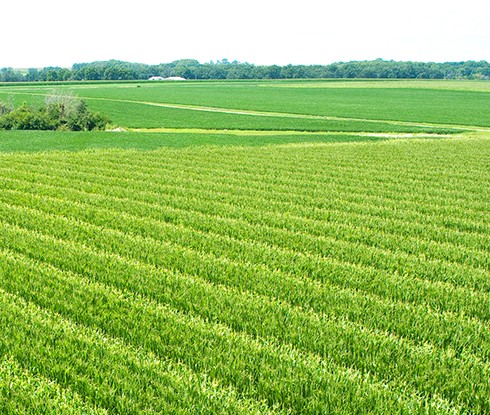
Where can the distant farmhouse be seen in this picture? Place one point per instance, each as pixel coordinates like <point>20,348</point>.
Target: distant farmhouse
<point>170,78</point>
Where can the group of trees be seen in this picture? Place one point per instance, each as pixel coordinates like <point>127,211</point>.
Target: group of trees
<point>224,69</point>
<point>59,112</point>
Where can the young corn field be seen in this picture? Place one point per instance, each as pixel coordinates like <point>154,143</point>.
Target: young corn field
<point>305,278</point>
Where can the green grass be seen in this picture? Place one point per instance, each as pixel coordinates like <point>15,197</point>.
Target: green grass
<point>32,141</point>
<point>254,272</point>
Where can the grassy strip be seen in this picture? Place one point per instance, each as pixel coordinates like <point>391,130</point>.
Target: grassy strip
<point>36,141</point>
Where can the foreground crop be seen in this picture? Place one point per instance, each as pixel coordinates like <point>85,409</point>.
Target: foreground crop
<point>316,278</point>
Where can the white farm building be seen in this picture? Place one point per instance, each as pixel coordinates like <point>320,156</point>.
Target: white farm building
<point>170,78</point>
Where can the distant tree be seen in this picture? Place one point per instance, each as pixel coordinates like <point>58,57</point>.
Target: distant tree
<point>9,75</point>
<point>32,75</point>
<point>273,72</point>
<point>226,69</point>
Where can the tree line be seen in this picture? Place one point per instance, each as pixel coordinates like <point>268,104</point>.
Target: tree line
<point>224,69</point>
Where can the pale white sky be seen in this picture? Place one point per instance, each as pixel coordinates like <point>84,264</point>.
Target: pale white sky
<point>38,33</point>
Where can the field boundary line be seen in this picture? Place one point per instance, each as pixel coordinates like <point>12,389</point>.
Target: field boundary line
<point>261,133</point>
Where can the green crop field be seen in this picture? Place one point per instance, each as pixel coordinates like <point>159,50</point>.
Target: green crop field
<point>282,247</point>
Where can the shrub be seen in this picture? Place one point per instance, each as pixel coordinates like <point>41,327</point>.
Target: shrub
<point>60,111</point>
<point>25,118</point>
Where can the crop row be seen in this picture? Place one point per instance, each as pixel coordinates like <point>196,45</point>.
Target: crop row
<point>252,210</point>
<point>438,251</point>
<point>280,249</point>
<point>106,371</point>
<point>143,224</point>
<point>22,393</point>
<point>313,239</point>
<point>396,202</point>
<point>349,198</point>
<point>227,268</point>
<point>132,288</point>
<point>160,254</point>
<point>253,366</point>
<point>395,179</point>
<point>283,376</point>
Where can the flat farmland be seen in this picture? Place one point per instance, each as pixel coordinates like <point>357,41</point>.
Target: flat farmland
<point>285,247</point>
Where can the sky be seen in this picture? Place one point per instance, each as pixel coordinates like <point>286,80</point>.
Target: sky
<point>43,33</point>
